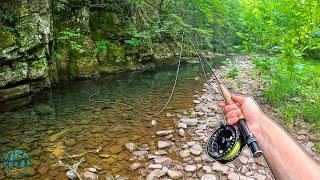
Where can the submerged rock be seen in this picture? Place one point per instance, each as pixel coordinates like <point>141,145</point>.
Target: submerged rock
<point>164,133</point>
<point>189,121</point>
<point>135,166</point>
<point>89,176</point>
<point>164,144</point>
<point>131,146</point>
<point>71,174</point>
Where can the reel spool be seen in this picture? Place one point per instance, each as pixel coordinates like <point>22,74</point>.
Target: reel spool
<point>225,144</point>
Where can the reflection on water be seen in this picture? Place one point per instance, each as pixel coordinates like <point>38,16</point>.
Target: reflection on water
<point>63,120</point>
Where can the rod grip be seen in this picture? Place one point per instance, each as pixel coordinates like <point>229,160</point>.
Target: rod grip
<point>249,138</point>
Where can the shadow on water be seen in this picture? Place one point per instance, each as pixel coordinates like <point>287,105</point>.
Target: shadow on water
<point>64,120</point>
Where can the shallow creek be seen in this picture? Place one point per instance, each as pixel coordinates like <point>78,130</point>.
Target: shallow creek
<point>63,121</point>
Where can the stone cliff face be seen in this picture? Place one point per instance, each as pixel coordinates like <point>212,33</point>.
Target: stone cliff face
<point>25,63</point>
<point>41,45</point>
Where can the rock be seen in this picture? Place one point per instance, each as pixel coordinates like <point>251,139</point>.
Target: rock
<point>140,153</point>
<point>160,152</point>
<point>196,101</point>
<point>181,132</point>
<point>182,125</point>
<point>207,169</point>
<point>135,166</point>
<point>261,162</point>
<point>247,152</point>
<point>303,132</point>
<point>164,133</point>
<point>115,149</point>
<point>169,136</point>
<point>57,136</point>
<point>233,176</point>
<point>31,172</point>
<point>196,149</point>
<point>70,142</point>
<point>155,166</point>
<point>164,144</point>
<point>157,173</point>
<point>97,167</point>
<point>216,166</point>
<point>93,170</point>
<point>213,124</point>
<point>191,143</point>
<point>150,156</point>
<point>164,161</point>
<point>190,168</point>
<point>175,174</point>
<point>131,146</point>
<point>71,174</point>
<point>206,158</point>
<point>243,159</point>
<point>169,115</point>
<point>89,176</point>
<point>43,169</point>
<point>259,176</point>
<point>184,153</point>
<point>208,177</point>
<point>189,121</point>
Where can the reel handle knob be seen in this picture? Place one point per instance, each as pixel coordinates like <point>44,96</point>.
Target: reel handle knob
<point>249,138</point>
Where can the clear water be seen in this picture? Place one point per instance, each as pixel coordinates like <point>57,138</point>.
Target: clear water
<point>64,121</point>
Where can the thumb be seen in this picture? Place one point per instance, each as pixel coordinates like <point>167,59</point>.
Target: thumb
<point>238,99</point>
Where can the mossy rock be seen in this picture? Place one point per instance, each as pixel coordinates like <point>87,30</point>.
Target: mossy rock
<point>6,38</point>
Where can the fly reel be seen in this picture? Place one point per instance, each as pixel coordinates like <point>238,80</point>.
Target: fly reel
<point>225,144</point>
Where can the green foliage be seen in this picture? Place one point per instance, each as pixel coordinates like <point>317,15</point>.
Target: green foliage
<point>101,45</point>
<point>287,26</point>
<point>293,86</point>
<point>71,37</point>
<point>57,55</point>
<point>232,73</point>
<point>317,146</point>
<point>132,42</point>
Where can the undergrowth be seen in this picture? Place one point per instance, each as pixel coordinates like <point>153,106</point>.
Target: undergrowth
<point>293,86</point>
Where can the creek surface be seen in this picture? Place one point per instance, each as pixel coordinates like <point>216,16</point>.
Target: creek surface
<point>63,121</point>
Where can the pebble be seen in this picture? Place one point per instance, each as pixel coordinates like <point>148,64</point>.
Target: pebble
<point>175,174</point>
<point>135,166</point>
<point>140,153</point>
<point>182,125</point>
<point>70,142</point>
<point>164,133</point>
<point>233,176</point>
<point>196,149</point>
<point>207,169</point>
<point>115,149</point>
<point>191,143</point>
<point>163,144</point>
<point>131,146</point>
<point>184,153</point>
<point>164,161</point>
<point>89,176</point>
<point>259,176</point>
<point>261,162</point>
<point>155,166</point>
<point>43,169</point>
<point>181,132</point>
<point>208,177</point>
<point>169,136</point>
<point>71,174</point>
<point>157,173</point>
<point>94,170</point>
<point>160,152</point>
<point>190,168</point>
<point>206,158</point>
<point>189,121</point>
<point>243,159</point>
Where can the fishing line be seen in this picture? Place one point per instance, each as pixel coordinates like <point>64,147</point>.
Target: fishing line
<point>142,113</point>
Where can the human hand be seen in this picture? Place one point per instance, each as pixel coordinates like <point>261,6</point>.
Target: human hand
<point>248,108</point>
